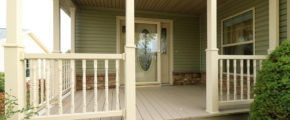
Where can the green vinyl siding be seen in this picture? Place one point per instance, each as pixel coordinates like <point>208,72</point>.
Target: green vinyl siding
<point>232,7</point>
<point>96,33</point>
<point>203,41</point>
<point>283,19</point>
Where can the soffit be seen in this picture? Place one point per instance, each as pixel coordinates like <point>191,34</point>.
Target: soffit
<point>193,7</point>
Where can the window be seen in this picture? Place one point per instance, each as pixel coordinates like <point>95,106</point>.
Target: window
<point>163,40</point>
<point>238,34</point>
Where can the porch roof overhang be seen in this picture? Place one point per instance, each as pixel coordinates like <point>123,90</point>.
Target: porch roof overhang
<point>191,7</point>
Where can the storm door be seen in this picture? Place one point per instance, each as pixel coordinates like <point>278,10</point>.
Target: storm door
<point>147,43</point>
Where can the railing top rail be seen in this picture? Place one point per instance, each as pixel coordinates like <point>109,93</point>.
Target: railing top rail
<point>253,57</point>
<point>74,56</point>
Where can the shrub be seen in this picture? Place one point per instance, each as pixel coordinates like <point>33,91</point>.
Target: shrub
<point>2,87</point>
<point>10,104</point>
<point>272,89</point>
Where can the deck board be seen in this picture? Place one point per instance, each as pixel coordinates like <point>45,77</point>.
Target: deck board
<point>153,103</point>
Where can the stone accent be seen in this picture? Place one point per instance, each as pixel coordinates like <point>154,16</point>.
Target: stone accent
<point>203,78</point>
<point>238,84</point>
<point>231,85</point>
<point>186,78</point>
<point>90,81</point>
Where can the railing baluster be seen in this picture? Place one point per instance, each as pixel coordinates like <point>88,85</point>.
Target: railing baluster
<point>60,86</point>
<point>47,88</point>
<point>68,74</point>
<point>64,75</point>
<point>255,72</point>
<point>106,86</point>
<point>34,85</point>
<point>235,79</point>
<point>37,82</point>
<point>248,78</point>
<point>72,65</point>
<point>31,78</point>
<point>117,84</point>
<point>41,81</point>
<point>228,79</point>
<point>52,77</point>
<point>69,77</point>
<point>221,79</point>
<point>96,85</point>
<point>261,65</point>
<point>84,86</point>
<point>242,78</point>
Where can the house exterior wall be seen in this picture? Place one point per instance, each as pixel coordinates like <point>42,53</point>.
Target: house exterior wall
<point>283,19</point>
<point>233,7</point>
<point>96,33</point>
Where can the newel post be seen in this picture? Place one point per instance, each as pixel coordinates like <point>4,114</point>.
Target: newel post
<point>13,55</point>
<point>130,79</point>
<point>211,58</point>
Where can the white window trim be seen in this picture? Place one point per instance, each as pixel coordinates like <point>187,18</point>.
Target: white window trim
<point>240,43</point>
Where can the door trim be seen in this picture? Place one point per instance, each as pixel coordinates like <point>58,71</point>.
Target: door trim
<point>151,21</point>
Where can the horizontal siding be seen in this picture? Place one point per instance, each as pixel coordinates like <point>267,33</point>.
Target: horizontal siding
<point>96,33</point>
<point>203,41</point>
<point>232,7</point>
<point>283,19</point>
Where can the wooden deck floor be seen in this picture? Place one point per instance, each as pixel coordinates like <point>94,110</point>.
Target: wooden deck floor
<point>153,103</point>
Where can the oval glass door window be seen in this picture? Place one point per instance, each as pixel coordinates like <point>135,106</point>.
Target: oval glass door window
<point>144,50</point>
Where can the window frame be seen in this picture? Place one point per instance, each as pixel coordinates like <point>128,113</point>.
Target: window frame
<point>239,43</point>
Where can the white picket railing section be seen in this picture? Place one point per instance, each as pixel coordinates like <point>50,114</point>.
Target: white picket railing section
<point>53,76</point>
<point>237,76</point>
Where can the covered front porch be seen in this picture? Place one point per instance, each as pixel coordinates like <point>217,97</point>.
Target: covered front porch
<point>98,79</point>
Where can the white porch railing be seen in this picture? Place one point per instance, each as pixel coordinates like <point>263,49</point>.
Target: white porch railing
<point>237,76</point>
<point>53,76</point>
<point>66,76</point>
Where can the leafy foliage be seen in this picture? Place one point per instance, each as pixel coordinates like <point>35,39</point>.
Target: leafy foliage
<point>10,104</point>
<point>2,87</point>
<point>272,89</point>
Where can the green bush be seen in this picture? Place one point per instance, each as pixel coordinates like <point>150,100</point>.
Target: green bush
<point>272,89</point>
<point>2,87</point>
<point>10,105</point>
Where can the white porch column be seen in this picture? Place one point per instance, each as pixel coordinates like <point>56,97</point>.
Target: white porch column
<point>273,25</point>
<point>13,53</point>
<point>73,19</point>
<point>211,58</point>
<point>130,79</point>
<point>56,26</point>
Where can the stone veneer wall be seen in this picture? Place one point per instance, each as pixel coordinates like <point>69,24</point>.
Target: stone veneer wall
<point>238,85</point>
<point>231,84</point>
<point>186,78</point>
<point>90,81</point>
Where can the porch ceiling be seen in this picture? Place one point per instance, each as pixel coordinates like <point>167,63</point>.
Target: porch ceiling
<point>193,7</point>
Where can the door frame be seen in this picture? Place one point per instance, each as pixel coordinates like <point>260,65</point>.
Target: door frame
<point>151,21</point>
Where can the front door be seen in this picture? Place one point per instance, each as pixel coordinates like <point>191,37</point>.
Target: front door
<point>147,41</point>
